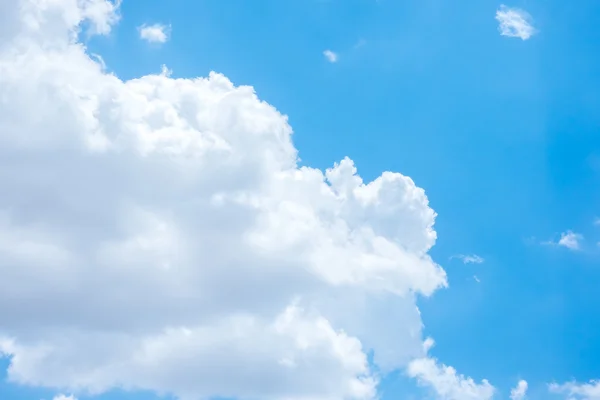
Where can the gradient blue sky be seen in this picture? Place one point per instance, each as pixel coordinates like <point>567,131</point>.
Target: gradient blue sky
<point>502,134</point>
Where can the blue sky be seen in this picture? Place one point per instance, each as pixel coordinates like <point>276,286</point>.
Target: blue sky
<point>500,132</point>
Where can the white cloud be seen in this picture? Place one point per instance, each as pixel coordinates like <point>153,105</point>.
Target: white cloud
<point>167,222</point>
<point>469,259</point>
<point>519,392</point>
<point>570,240</point>
<point>578,391</point>
<point>64,397</point>
<point>156,33</point>
<point>165,71</point>
<point>514,22</point>
<point>330,56</point>
<point>428,344</point>
<point>446,383</point>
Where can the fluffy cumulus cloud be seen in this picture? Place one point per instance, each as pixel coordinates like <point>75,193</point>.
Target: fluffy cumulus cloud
<point>156,33</point>
<point>578,391</point>
<point>519,391</point>
<point>64,397</point>
<point>444,381</point>
<point>158,234</point>
<point>514,22</point>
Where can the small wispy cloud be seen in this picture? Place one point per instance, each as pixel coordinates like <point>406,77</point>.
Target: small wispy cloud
<point>165,71</point>
<point>156,33</point>
<point>469,259</point>
<point>360,43</point>
<point>428,344</point>
<point>577,390</point>
<point>476,279</point>
<point>519,392</point>
<point>330,56</point>
<point>514,22</point>
<point>568,239</point>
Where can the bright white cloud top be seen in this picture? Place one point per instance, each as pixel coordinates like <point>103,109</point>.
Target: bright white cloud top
<point>158,234</point>
<point>330,56</point>
<point>156,33</point>
<point>515,22</point>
